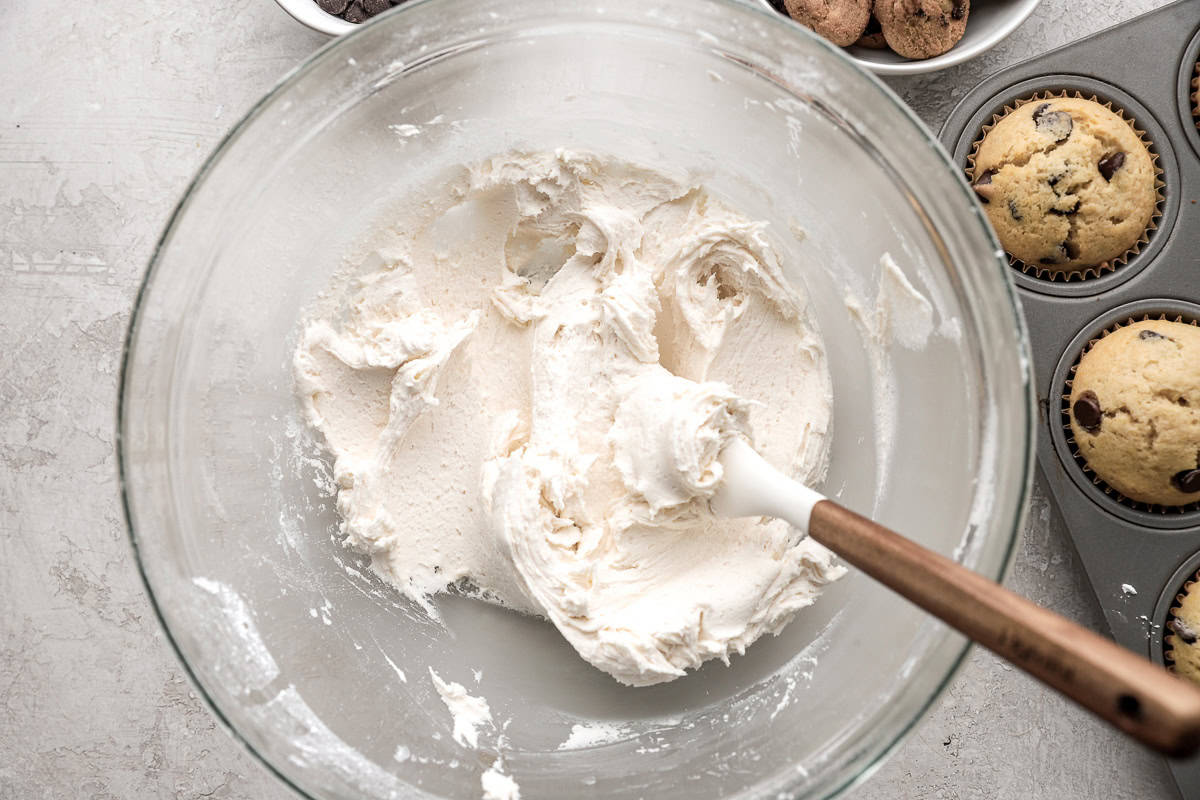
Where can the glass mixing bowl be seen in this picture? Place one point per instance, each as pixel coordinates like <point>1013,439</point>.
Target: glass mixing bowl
<point>323,670</point>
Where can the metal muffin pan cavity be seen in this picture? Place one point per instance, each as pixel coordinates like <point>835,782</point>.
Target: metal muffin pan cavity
<point>1158,143</point>
<point>1189,87</point>
<point>1137,557</point>
<point>1139,514</point>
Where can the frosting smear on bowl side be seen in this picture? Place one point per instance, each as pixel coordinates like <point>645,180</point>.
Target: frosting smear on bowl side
<point>492,388</point>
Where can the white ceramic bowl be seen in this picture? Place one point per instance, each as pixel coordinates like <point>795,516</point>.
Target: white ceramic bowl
<point>310,14</point>
<point>990,22</point>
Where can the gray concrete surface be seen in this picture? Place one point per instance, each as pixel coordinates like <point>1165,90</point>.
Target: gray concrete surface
<point>106,109</point>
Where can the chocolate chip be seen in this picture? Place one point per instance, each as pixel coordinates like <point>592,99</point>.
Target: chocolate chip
<point>1053,123</point>
<point>1110,164</point>
<point>1149,334</point>
<point>983,186</point>
<point>1066,212</point>
<point>960,10</point>
<point>1067,251</point>
<point>1087,412</point>
<point>1014,211</point>
<point>1184,631</point>
<point>357,10</point>
<point>1187,481</point>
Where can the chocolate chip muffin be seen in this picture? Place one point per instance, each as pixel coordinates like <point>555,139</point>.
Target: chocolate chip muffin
<point>1068,184</point>
<point>839,21</point>
<point>1182,640</point>
<point>922,28</point>
<point>1135,411</point>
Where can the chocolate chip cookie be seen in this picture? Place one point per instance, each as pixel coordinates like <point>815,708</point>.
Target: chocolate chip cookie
<point>1182,640</point>
<point>872,37</point>
<point>922,28</point>
<point>1068,184</point>
<point>1135,411</point>
<point>839,21</point>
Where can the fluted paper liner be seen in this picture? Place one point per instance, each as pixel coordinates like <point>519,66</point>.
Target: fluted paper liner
<point>1169,631</point>
<point>1196,95</point>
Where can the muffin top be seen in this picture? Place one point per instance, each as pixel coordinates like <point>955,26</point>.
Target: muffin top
<point>1067,183</point>
<point>1183,638</point>
<point>1135,411</point>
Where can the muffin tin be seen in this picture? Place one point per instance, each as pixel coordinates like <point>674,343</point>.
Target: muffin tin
<point>1137,557</point>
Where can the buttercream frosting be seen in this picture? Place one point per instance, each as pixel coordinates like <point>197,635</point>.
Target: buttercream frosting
<point>492,386</point>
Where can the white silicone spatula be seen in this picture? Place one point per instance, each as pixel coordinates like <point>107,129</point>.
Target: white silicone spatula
<point>1138,697</point>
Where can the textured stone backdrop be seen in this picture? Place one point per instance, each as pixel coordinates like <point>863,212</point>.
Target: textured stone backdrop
<point>106,109</point>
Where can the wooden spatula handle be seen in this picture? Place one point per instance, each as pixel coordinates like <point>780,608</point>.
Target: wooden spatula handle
<point>1140,698</point>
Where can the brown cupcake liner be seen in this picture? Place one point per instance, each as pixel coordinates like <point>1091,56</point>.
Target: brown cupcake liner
<point>1171,624</point>
<point>1064,276</point>
<point>1073,446</point>
<point>1196,95</point>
